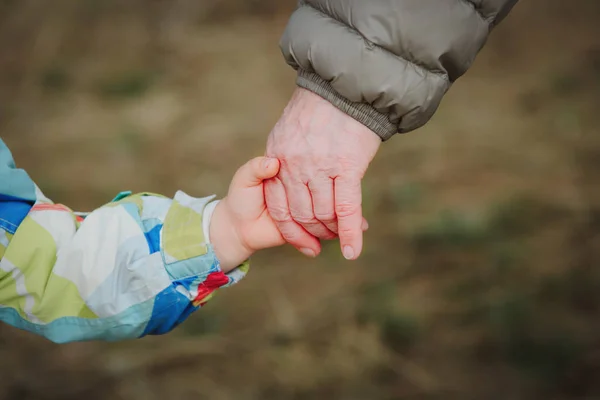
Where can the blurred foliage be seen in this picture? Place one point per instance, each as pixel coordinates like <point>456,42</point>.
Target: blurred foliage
<point>55,79</point>
<point>400,331</point>
<point>125,85</point>
<point>207,322</point>
<point>450,229</point>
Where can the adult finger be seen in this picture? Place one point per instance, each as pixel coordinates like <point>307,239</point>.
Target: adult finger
<point>348,208</point>
<point>323,202</point>
<point>301,207</point>
<point>293,233</point>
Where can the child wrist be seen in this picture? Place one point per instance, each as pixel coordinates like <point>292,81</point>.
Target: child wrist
<point>225,239</point>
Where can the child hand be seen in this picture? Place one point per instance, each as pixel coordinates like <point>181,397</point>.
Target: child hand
<point>241,223</point>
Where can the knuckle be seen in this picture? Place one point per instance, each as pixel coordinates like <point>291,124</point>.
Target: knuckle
<point>346,209</point>
<point>302,217</point>
<point>289,235</point>
<point>279,214</point>
<point>329,236</point>
<point>325,216</point>
<point>320,232</point>
<point>333,227</point>
<point>303,220</point>
<point>281,218</point>
<point>346,232</point>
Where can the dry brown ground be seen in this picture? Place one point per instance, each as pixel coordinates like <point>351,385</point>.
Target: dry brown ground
<point>478,277</point>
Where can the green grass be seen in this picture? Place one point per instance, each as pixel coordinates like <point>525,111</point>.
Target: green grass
<point>376,301</point>
<point>450,229</point>
<point>400,331</point>
<point>125,85</point>
<point>207,322</point>
<point>566,83</point>
<point>55,79</point>
<point>407,196</point>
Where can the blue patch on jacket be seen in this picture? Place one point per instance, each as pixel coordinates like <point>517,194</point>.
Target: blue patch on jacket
<point>153,239</point>
<point>12,212</point>
<point>171,308</point>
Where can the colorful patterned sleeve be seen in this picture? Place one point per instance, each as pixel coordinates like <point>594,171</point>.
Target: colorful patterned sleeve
<point>137,266</point>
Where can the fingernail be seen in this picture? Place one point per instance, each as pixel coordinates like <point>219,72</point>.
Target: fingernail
<point>308,252</point>
<point>365,225</point>
<point>348,252</point>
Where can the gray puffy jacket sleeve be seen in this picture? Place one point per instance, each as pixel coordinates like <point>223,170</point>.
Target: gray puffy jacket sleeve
<point>387,63</point>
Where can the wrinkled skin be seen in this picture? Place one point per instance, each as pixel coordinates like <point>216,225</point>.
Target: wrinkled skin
<point>324,155</point>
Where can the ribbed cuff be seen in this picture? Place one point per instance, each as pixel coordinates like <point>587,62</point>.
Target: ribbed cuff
<point>364,113</point>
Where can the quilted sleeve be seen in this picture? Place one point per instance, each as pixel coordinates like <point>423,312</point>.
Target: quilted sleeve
<point>387,63</point>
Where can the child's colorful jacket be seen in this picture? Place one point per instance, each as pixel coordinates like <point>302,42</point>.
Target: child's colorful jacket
<point>139,265</point>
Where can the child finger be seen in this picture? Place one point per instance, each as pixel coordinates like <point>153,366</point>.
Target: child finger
<point>255,171</point>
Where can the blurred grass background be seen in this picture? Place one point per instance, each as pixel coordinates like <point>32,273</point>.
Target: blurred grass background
<point>481,272</point>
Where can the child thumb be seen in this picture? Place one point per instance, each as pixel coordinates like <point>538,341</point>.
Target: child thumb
<point>257,170</point>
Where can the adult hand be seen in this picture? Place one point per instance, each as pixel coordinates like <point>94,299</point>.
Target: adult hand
<point>324,155</point>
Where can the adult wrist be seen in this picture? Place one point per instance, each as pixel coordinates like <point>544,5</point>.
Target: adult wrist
<point>364,113</point>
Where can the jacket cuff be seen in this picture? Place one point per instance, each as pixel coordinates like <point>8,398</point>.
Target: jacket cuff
<point>364,113</point>
<point>185,247</point>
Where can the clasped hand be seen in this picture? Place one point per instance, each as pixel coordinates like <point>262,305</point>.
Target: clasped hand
<point>324,155</point>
